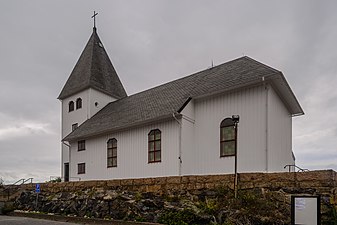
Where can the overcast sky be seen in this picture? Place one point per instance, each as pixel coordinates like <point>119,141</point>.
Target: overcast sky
<point>153,42</point>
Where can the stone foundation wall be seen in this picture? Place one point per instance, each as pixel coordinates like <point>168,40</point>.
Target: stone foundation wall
<point>322,181</point>
<point>263,198</point>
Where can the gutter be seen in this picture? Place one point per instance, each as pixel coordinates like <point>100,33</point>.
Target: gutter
<point>267,125</point>
<point>63,142</point>
<point>179,153</point>
<point>62,175</point>
<point>117,129</point>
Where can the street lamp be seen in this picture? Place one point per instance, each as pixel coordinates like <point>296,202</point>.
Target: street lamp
<point>236,119</point>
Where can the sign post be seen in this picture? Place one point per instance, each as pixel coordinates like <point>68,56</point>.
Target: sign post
<point>37,191</point>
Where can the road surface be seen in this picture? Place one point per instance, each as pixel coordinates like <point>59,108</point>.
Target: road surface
<point>11,220</point>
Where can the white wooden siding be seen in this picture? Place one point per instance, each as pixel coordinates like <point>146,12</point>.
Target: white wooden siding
<point>99,97</point>
<point>69,118</point>
<point>262,114</point>
<point>132,154</point>
<point>249,103</point>
<point>279,134</point>
<point>188,152</point>
<point>89,97</point>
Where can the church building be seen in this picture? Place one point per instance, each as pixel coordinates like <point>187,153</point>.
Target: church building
<point>200,124</point>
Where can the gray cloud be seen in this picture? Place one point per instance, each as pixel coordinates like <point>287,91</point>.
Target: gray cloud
<point>151,42</point>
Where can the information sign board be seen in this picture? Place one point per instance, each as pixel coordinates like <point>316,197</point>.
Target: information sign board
<point>305,210</point>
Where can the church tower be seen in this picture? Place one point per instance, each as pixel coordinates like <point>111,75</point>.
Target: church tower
<point>92,84</point>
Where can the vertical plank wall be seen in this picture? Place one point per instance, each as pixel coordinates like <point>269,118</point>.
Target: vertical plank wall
<point>279,135</point>
<point>132,154</point>
<point>250,104</point>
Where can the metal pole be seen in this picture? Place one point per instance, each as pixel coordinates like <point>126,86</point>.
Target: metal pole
<point>37,198</point>
<point>236,163</point>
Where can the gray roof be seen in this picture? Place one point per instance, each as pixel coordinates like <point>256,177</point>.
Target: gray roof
<point>161,102</point>
<point>93,70</point>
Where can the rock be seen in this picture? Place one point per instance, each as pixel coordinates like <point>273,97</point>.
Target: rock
<point>202,206</point>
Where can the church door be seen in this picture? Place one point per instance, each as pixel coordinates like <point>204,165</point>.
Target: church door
<point>66,172</point>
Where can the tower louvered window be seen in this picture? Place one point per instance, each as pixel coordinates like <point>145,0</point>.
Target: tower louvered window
<point>71,106</point>
<point>78,103</point>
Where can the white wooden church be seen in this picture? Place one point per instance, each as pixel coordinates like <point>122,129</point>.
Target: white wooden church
<point>184,127</point>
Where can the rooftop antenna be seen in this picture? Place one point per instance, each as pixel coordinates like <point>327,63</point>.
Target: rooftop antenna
<point>94,16</point>
<point>212,65</point>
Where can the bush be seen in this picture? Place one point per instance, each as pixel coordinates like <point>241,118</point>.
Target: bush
<point>183,217</point>
<point>8,207</point>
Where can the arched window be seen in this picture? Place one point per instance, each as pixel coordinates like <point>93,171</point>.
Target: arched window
<point>78,103</point>
<point>154,146</point>
<point>112,153</point>
<point>71,106</point>
<point>227,138</point>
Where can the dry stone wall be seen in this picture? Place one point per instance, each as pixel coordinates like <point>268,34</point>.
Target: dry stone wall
<point>264,198</point>
<point>322,181</point>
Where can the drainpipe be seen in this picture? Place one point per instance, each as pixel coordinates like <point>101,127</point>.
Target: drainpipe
<point>63,142</point>
<point>66,144</point>
<point>180,160</point>
<point>267,125</point>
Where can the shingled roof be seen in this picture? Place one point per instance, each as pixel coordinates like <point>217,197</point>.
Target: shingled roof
<point>94,70</point>
<point>161,102</point>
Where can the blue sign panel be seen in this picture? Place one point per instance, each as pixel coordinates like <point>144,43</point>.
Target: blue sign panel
<point>37,188</point>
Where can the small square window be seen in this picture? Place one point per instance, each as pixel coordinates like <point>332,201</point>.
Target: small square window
<point>74,126</point>
<point>81,168</point>
<point>81,145</point>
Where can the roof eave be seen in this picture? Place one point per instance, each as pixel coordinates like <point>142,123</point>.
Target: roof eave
<point>281,86</point>
<point>122,128</point>
<point>62,97</point>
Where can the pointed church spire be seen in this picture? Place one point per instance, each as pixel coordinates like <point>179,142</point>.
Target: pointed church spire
<point>94,70</point>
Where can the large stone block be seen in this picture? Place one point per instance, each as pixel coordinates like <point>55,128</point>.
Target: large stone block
<point>173,180</point>
<point>113,183</point>
<point>199,185</point>
<point>210,185</point>
<point>154,188</point>
<point>126,182</point>
<point>160,180</point>
<point>201,179</point>
<point>88,184</point>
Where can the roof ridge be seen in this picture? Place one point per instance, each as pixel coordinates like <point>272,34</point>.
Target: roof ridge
<point>262,64</point>
<point>156,102</point>
<point>188,76</point>
<point>95,35</point>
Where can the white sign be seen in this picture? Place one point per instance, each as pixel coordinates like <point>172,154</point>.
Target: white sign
<point>306,210</point>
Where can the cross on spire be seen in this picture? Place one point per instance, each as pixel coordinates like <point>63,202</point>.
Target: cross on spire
<point>94,16</point>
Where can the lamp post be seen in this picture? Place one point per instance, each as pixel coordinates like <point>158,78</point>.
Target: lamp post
<point>236,119</point>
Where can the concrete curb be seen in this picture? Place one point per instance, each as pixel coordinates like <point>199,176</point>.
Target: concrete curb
<point>79,220</point>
